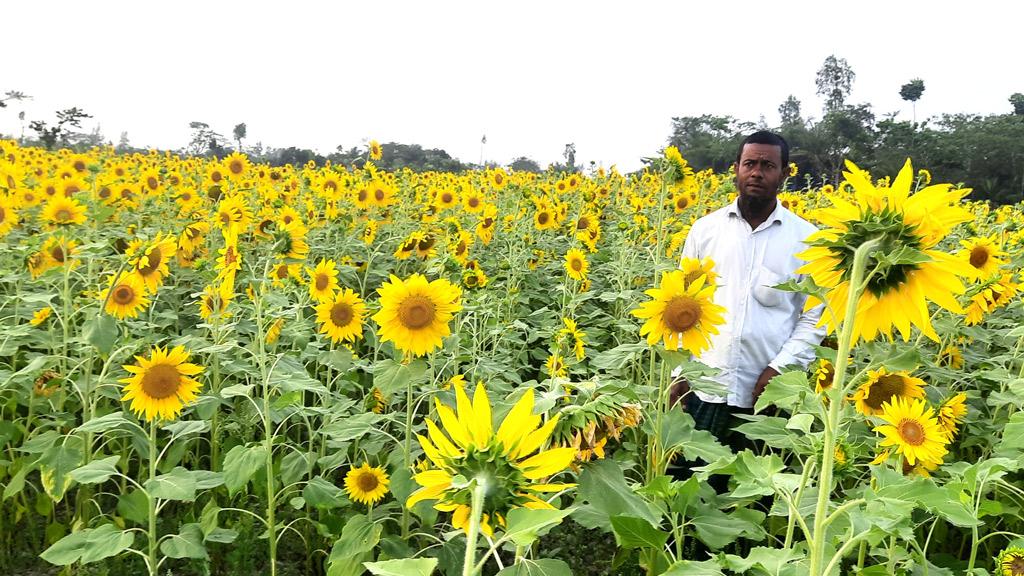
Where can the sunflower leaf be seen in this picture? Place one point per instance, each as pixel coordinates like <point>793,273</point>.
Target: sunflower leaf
<point>402,567</point>
<point>241,463</point>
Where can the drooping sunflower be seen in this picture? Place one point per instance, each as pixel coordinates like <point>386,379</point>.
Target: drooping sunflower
<point>290,241</point>
<point>576,264</point>
<point>823,376</point>
<point>151,262</point>
<point>161,385</point>
<point>694,268</point>
<point>1011,562</point>
<point>323,280</point>
<point>341,318</point>
<point>233,216</point>
<point>951,413</point>
<point>912,430</point>
<point>281,272</point>
<point>127,296</point>
<point>681,315</point>
<point>984,255</point>
<point>951,357</point>
<point>511,463</point>
<point>883,386</point>
<point>59,251</point>
<point>907,270</point>
<point>63,211</point>
<point>414,313</point>
<point>274,332</point>
<point>214,301</point>
<point>41,315</point>
<point>8,215</point>
<point>366,484</point>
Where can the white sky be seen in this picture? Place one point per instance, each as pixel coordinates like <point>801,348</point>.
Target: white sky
<point>531,75</point>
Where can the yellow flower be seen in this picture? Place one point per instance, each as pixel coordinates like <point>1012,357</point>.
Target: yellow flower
<point>1011,562</point>
<point>40,316</point>
<point>366,485</point>
<point>912,430</point>
<point>414,313</point>
<point>126,297</point>
<point>907,271</point>
<point>984,255</point>
<point>824,376</point>
<point>62,211</point>
<point>951,413</point>
<point>341,318</point>
<point>274,332</point>
<point>883,386</point>
<point>323,280</point>
<point>8,215</point>
<point>376,151</point>
<point>681,315</point>
<point>151,264</point>
<point>576,264</point>
<point>161,385</point>
<point>236,166</point>
<point>555,366</point>
<point>693,269</point>
<point>951,357</point>
<point>511,463</point>
<point>214,301</point>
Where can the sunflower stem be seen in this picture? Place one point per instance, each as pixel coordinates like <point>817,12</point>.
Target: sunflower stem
<point>475,513</point>
<point>836,393</point>
<point>151,501</point>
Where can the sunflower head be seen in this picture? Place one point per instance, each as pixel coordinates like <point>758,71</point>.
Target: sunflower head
<point>680,314</point>
<point>366,484</point>
<point>576,264</point>
<point>911,428</point>
<point>1010,562</point>
<point>884,387</point>
<point>341,318</point>
<point>161,385</point>
<point>414,313</point>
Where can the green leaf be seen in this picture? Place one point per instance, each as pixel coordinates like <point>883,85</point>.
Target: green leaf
<point>543,567</point>
<point>236,390</point>
<point>320,493</point>
<point>96,471</point>
<point>603,485</point>
<point>403,567</point>
<point>105,423</point>
<point>908,359</point>
<point>184,427</point>
<point>772,560</point>
<point>188,543</point>
<point>718,529</point>
<point>347,429</point>
<point>785,391</point>
<point>678,434</point>
<point>241,463</point>
<point>88,545</point>
<point>1012,443</point>
<point>178,484</point>
<point>632,532</point>
<point>525,525</point>
<point>101,331</point>
<point>391,377</point>
<point>618,357</point>
<point>340,360</point>
<point>55,466</point>
<point>133,506</point>
<point>694,568</point>
<point>359,535</point>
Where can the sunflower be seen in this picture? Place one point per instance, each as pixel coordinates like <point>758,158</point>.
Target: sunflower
<point>576,264</point>
<point>214,301</point>
<point>984,255</point>
<point>161,385</point>
<point>381,194</point>
<point>693,269</point>
<point>446,198</point>
<point>544,218</point>
<point>497,178</point>
<point>151,263</point>
<point>555,366</point>
<point>824,376</point>
<point>905,271</point>
<point>951,357</point>
<point>236,166</point>
<point>125,297</point>
<point>1011,562</point>
<point>41,315</point>
<point>473,201</point>
<point>510,463</point>
<point>290,241</point>
<point>461,250</point>
<point>912,430</point>
<point>233,216</point>
<point>274,332</point>
<point>341,318</point>
<point>414,313</point>
<point>59,251</point>
<point>8,216</point>
<point>951,413</point>
<point>193,236</point>
<point>474,278</point>
<point>376,150</point>
<point>62,211</point>
<point>883,386</point>
<point>680,314</point>
<point>283,271</point>
<point>366,485</point>
<point>323,280</point>
<point>572,332</point>
<point>485,228</point>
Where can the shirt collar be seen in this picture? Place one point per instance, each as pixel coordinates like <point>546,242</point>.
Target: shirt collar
<point>776,215</point>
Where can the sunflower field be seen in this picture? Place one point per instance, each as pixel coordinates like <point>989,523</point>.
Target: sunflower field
<point>211,366</point>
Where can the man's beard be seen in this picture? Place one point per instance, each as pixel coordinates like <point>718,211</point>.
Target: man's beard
<point>758,204</point>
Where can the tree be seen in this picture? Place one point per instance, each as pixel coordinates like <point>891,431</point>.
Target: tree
<point>570,156</point>
<point>708,141</point>
<point>12,95</point>
<point>205,141</point>
<point>50,136</point>
<point>834,82</point>
<point>789,112</point>
<point>524,164</point>
<point>911,92</point>
<point>1017,100</point>
<point>239,133</point>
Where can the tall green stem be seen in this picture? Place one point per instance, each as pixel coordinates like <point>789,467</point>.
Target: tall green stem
<point>151,500</point>
<point>836,394</point>
<point>475,513</point>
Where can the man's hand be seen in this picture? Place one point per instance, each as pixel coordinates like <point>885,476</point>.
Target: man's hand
<point>680,387</point>
<point>762,381</point>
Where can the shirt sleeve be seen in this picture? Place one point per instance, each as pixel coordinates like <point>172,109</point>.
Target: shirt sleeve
<point>799,348</point>
<point>690,245</point>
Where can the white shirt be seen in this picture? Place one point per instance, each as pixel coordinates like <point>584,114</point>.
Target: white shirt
<point>763,326</point>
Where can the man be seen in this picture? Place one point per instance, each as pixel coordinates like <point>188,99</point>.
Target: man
<point>753,243</point>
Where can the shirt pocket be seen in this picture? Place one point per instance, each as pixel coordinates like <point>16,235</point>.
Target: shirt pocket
<point>764,293</point>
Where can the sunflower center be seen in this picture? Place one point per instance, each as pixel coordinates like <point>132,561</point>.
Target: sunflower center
<point>236,167</point>
<point>63,214</point>
<point>425,244</point>
<point>123,295</point>
<point>576,264</point>
<point>692,276</point>
<point>342,314</point>
<point>1016,565</point>
<point>57,253</point>
<point>583,223</point>
<point>367,481</point>
<point>446,197</point>
<point>152,183</point>
<point>378,194</point>
<point>3,214</point>
<point>681,314</point>
<point>415,312</point>
<point>282,272</point>
<point>884,389</point>
<point>161,381</point>
<point>912,432</point>
<point>979,256</point>
<point>543,218</point>
<point>473,202</point>
<point>322,281</point>
<point>363,194</point>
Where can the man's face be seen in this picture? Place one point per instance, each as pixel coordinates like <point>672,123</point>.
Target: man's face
<point>759,173</point>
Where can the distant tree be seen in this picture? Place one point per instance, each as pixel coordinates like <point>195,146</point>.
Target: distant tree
<point>708,141</point>
<point>398,156</point>
<point>60,133</point>
<point>1017,100</point>
<point>524,164</point>
<point>570,156</point>
<point>12,95</point>
<point>911,92</point>
<point>834,82</point>
<point>205,141</point>
<point>789,112</point>
<point>122,143</point>
<point>293,155</point>
<point>239,134</point>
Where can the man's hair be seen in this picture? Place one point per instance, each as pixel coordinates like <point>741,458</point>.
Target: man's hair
<point>766,137</point>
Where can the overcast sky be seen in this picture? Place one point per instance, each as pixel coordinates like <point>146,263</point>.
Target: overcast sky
<point>531,75</point>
